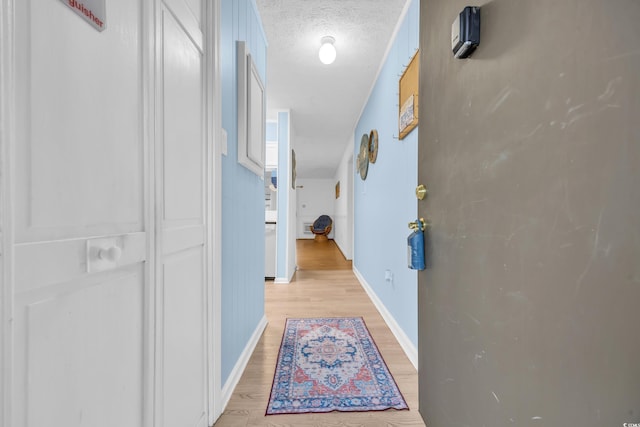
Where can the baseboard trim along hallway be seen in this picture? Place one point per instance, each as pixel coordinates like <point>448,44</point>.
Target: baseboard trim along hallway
<point>238,369</point>
<point>409,349</point>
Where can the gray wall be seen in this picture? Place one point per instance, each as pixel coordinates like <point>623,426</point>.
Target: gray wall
<point>530,308</point>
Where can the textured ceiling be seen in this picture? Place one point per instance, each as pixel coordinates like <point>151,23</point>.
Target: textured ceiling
<point>325,100</point>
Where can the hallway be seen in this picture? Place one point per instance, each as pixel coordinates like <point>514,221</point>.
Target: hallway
<point>312,255</point>
<point>317,293</point>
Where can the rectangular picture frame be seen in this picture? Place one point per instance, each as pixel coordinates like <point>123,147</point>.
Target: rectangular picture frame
<point>251,113</point>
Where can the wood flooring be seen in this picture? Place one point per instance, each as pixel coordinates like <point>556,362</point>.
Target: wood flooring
<point>312,255</point>
<point>324,286</point>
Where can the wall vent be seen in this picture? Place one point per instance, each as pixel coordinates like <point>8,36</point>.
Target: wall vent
<point>305,228</point>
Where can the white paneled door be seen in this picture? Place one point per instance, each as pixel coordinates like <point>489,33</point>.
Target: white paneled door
<point>181,182</point>
<point>106,232</point>
<point>81,243</point>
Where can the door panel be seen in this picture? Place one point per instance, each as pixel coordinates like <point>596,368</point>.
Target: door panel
<point>101,327</point>
<point>63,261</point>
<point>184,317</point>
<point>80,155</point>
<point>183,127</point>
<point>81,245</point>
<point>196,9</point>
<point>180,168</point>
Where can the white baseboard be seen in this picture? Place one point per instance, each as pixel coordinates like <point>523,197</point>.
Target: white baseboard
<point>344,254</point>
<point>409,349</point>
<point>284,280</point>
<point>238,369</point>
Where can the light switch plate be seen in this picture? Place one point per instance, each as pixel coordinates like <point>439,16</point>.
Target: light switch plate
<point>224,142</point>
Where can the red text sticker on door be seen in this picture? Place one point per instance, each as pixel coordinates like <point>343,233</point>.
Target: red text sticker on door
<point>92,11</point>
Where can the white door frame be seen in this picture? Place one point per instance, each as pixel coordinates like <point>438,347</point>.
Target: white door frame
<point>148,106</point>
<point>7,97</point>
<point>6,303</point>
<point>350,204</point>
<point>213,100</point>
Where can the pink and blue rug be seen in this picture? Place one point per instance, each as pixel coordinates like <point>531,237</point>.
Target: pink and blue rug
<point>331,364</point>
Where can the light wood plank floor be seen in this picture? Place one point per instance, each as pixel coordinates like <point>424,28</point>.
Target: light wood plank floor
<point>318,293</point>
<point>312,255</point>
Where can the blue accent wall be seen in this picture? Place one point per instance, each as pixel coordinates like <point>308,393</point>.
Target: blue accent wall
<point>272,131</point>
<point>385,202</point>
<point>242,194</point>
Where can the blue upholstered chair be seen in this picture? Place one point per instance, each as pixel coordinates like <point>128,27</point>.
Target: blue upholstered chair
<point>321,228</point>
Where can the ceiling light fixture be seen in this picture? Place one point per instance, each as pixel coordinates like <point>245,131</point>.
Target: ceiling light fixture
<point>327,51</point>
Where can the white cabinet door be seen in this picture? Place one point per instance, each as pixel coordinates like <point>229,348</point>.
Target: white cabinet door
<point>80,233</point>
<point>181,158</point>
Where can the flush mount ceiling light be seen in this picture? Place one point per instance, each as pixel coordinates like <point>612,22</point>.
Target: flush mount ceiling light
<point>327,51</point>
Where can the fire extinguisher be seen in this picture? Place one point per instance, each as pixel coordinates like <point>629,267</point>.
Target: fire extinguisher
<point>415,245</point>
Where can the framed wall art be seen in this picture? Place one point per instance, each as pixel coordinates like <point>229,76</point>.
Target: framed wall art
<point>294,174</point>
<point>251,113</point>
<point>373,146</point>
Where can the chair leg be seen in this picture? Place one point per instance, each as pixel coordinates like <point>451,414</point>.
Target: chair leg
<point>321,238</point>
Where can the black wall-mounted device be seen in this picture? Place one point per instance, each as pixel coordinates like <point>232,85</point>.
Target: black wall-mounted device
<point>465,32</point>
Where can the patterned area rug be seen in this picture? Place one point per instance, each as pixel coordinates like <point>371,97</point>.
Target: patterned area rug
<point>331,364</point>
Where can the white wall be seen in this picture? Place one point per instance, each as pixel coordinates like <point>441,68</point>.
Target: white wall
<point>286,245</point>
<point>315,198</point>
<point>343,206</point>
<point>291,213</point>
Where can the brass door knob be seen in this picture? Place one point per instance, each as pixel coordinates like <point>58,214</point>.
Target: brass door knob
<point>421,192</point>
<point>421,223</point>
